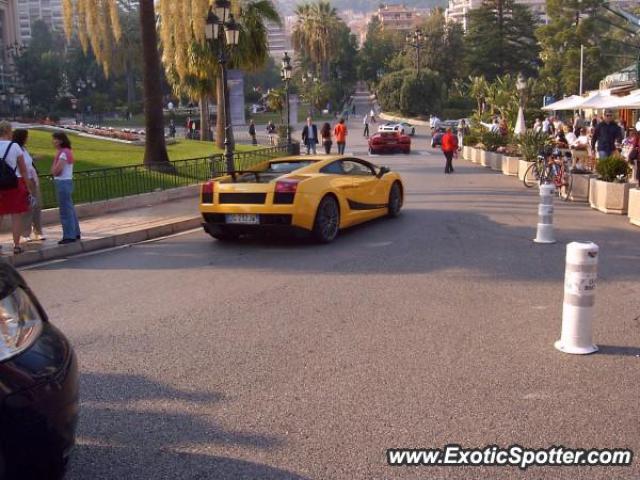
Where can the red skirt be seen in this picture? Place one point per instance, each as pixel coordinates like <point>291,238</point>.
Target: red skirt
<point>15,200</point>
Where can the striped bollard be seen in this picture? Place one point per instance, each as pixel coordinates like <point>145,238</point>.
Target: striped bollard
<point>579,299</point>
<point>545,233</point>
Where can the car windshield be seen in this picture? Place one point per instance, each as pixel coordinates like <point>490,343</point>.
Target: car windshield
<point>286,167</point>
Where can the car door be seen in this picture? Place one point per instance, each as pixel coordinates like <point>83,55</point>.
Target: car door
<point>367,198</point>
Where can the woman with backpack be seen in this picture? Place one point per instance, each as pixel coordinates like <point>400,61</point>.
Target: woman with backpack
<point>62,171</point>
<point>31,220</point>
<point>15,185</point>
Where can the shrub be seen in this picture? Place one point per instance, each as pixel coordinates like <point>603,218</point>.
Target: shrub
<point>421,92</point>
<point>471,140</point>
<point>613,169</point>
<point>492,140</point>
<point>532,143</point>
<point>389,91</point>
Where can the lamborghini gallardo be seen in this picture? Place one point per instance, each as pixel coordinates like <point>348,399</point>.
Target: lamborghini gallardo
<point>318,195</point>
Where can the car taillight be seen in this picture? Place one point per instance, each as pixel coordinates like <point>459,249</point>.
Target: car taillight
<point>207,192</point>
<point>287,186</point>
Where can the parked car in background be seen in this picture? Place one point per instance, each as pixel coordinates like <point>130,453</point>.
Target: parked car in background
<point>436,139</point>
<point>389,142</point>
<point>38,386</point>
<point>401,127</point>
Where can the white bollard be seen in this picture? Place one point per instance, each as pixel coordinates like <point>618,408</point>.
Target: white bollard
<point>579,299</point>
<point>545,233</point>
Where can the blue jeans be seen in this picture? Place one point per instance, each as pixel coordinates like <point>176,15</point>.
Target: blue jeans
<point>603,154</point>
<point>68,217</point>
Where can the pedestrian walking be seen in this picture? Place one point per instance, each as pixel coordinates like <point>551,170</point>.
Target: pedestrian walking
<point>462,131</point>
<point>15,185</point>
<point>353,109</point>
<point>325,134</point>
<point>252,133</point>
<point>271,131</point>
<point>310,136</point>
<point>172,128</point>
<point>365,121</point>
<point>62,171</point>
<point>372,115</point>
<point>340,132</point>
<point>32,219</point>
<point>605,135</point>
<point>449,148</point>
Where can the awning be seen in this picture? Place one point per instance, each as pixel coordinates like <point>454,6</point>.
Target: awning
<point>600,101</point>
<point>631,101</point>
<point>568,103</point>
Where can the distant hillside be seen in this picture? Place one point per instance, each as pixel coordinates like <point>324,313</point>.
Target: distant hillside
<point>288,6</point>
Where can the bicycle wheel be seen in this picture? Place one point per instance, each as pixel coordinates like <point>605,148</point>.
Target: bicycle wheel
<point>531,176</point>
<point>567,183</point>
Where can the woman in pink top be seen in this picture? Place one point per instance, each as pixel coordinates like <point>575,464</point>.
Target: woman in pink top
<point>62,171</point>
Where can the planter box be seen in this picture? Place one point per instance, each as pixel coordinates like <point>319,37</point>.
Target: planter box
<point>485,158</point>
<point>634,206</point>
<point>510,165</point>
<point>609,197</point>
<point>466,153</point>
<point>522,168</point>
<point>496,162</point>
<point>580,187</point>
<point>475,155</point>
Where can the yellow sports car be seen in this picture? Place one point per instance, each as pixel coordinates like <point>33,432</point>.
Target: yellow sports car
<point>316,194</point>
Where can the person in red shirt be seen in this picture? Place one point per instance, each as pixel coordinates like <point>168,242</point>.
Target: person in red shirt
<point>340,132</point>
<point>449,148</point>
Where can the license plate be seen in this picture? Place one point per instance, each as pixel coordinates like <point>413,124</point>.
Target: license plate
<point>246,218</point>
<point>392,143</point>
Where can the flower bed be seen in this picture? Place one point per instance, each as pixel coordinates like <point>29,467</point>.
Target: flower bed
<point>126,134</point>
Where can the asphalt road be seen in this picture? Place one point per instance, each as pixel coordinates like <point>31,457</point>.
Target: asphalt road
<point>286,360</point>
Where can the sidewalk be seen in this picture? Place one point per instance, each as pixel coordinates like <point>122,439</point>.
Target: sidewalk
<point>106,231</point>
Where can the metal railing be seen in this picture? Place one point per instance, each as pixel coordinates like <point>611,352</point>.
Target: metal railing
<point>108,183</point>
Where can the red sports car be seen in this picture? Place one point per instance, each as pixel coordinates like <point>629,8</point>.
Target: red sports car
<point>383,142</point>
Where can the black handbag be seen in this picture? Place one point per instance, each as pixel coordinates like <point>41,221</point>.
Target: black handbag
<point>8,177</point>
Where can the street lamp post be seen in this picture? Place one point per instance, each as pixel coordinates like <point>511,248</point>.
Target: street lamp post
<point>521,86</point>
<point>286,77</point>
<point>228,35</point>
<point>415,40</point>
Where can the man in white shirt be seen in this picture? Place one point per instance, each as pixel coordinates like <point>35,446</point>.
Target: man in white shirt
<point>365,122</point>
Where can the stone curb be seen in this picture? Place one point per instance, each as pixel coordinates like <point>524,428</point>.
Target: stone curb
<point>51,216</point>
<point>62,251</point>
<point>412,121</point>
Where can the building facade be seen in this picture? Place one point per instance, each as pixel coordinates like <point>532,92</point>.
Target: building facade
<point>29,11</point>
<point>278,40</point>
<point>397,17</point>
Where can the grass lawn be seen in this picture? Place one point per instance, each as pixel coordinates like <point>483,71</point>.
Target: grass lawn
<point>90,153</point>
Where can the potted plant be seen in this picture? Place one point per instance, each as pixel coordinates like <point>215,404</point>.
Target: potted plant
<point>510,160</point>
<point>469,142</point>
<point>492,141</point>
<point>609,192</point>
<point>531,143</point>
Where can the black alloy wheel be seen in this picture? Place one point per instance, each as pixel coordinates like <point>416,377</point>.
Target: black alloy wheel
<point>327,223</point>
<point>395,200</point>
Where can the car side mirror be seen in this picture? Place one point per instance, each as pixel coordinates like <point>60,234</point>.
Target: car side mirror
<point>383,171</point>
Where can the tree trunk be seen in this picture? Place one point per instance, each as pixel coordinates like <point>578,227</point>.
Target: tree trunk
<point>131,87</point>
<point>204,118</point>
<point>219,112</point>
<point>155,151</point>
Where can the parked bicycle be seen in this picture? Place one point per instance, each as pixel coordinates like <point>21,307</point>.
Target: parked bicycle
<point>551,167</point>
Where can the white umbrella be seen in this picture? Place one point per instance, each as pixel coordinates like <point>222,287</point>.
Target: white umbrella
<point>521,126</point>
<point>631,101</point>
<point>600,101</point>
<point>569,103</point>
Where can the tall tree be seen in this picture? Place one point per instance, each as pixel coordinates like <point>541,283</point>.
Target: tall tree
<point>378,49</point>
<point>98,26</point>
<point>189,61</point>
<point>500,39</point>
<point>571,24</point>
<point>315,34</point>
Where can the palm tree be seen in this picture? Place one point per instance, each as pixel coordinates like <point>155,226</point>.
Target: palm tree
<point>155,152</point>
<point>315,34</point>
<point>98,27</point>
<point>189,62</point>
